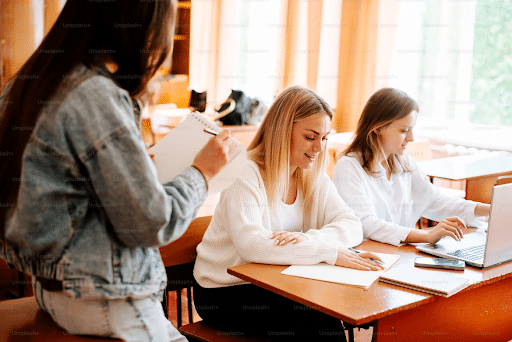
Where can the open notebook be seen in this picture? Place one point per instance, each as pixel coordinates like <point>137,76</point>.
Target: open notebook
<point>341,275</point>
<point>177,150</point>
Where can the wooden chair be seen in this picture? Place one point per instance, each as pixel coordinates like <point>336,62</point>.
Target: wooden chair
<point>20,280</point>
<point>179,258</point>
<point>22,320</point>
<point>503,180</point>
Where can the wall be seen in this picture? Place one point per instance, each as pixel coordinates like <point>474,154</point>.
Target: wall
<point>23,24</point>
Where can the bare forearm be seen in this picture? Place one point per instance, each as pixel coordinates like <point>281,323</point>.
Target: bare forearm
<point>416,235</point>
<point>482,209</point>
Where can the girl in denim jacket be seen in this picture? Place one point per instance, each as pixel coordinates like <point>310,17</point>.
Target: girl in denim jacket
<point>81,207</point>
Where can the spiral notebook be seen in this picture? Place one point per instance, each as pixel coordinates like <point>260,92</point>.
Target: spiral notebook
<point>177,150</point>
<point>440,283</point>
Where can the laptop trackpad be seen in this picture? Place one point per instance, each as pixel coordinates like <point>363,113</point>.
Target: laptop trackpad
<point>447,244</point>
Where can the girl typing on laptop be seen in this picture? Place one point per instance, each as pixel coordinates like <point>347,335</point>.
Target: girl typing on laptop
<point>384,186</point>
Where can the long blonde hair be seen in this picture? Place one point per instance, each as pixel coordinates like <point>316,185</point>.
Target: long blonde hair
<point>384,107</point>
<point>270,148</point>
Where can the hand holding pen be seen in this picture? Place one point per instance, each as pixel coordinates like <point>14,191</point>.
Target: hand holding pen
<point>214,155</point>
<point>351,258</point>
<point>377,261</point>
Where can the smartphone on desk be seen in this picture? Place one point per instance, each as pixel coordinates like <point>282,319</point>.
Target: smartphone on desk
<point>448,264</point>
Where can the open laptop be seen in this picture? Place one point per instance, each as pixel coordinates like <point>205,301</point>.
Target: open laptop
<point>482,249</point>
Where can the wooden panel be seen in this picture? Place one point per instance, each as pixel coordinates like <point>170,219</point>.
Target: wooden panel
<point>201,331</point>
<point>359,306</point>
<point>10,282</point>
<point>181,50</point>
<point>52,10</point>
<point>18,35</point>
<point>183,250</point>
<point>481,314</point>
<point>480,189</point>
<point>174,89</point>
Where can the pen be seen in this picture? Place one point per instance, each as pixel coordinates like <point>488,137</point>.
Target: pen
<point>206,130</point>
<point>372,259</point>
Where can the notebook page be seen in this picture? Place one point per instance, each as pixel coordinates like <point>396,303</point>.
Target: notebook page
<point>177,150</point>
<point>341,275</point>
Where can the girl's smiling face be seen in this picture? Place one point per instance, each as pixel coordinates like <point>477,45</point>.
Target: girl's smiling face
<point>309,138</point>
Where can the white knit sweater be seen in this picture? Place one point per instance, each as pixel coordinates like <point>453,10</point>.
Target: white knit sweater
<point>241,227</point>
<point>389,209</point>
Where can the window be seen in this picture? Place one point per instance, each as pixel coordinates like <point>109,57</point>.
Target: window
<point>257,51</point>
<point>491,88</point>
<point>455,58</point>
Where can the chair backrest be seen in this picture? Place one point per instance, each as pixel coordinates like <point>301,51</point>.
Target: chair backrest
<point>183,250</point>
<point>179,257</point>
<point>503,180</point>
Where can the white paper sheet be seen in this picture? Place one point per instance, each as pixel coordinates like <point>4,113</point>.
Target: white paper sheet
<point>341,275</point>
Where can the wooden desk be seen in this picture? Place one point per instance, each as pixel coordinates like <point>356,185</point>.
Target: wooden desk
<point>481,312</point>
<point>478,171</point>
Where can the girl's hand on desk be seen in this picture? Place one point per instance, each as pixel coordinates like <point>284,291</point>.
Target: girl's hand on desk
<point>450,226</point>
<point>283,237</point>
<point>360,261</point>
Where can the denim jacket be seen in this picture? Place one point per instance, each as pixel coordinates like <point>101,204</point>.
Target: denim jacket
<point>90,209</point>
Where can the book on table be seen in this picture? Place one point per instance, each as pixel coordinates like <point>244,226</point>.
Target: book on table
<point>441,283</point>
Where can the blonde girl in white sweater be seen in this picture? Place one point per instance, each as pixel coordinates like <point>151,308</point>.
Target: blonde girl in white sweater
<point>283,210</point>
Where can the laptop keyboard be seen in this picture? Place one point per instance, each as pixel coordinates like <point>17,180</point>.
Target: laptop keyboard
<point>470,253</point>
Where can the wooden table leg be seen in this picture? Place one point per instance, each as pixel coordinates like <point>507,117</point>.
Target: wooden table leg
<point>480,314</point>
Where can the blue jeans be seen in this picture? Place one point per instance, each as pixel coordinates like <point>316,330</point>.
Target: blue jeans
<point>128,319</point>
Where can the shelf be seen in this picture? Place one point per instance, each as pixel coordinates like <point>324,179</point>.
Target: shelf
<point>181,51</point>
<point>184,5</point>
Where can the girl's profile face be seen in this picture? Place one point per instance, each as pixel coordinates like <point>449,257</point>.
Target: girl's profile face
<point>309,138</point>
<point>395,136</point>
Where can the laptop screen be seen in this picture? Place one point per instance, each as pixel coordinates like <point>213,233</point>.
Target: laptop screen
<point>499,232</point>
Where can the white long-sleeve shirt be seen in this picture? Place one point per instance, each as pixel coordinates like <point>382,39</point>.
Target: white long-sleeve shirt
<point>389,209</point>
<point>243,222</point>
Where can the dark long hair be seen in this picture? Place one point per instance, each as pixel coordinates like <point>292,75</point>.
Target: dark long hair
<point>384,107</point>
<point>137,35</point>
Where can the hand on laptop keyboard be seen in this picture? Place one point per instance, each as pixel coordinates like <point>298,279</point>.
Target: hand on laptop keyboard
<point>450,226</point>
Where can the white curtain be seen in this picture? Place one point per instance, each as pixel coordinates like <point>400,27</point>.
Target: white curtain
<point>328,46</point>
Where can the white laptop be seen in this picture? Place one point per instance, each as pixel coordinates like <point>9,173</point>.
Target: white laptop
<point>482,249</point>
